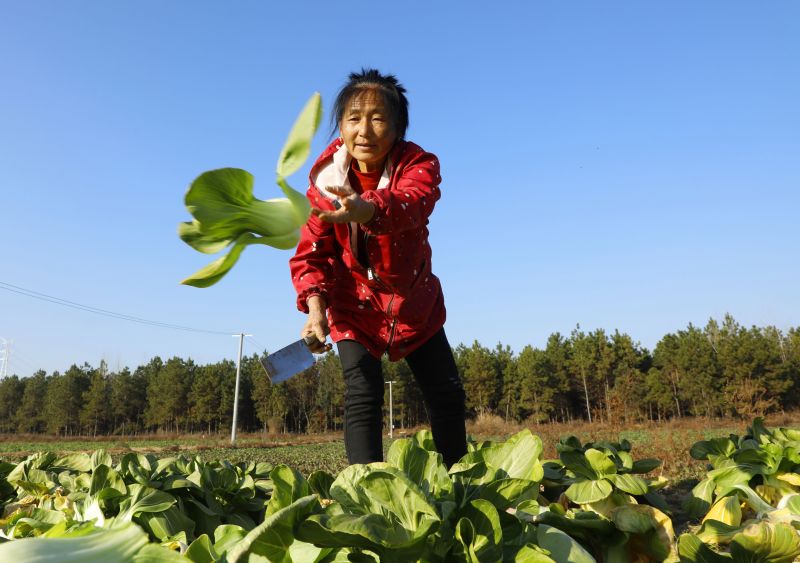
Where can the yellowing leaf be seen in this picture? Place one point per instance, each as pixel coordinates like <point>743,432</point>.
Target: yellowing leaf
<point>791,478</point>
<point>727,510</point>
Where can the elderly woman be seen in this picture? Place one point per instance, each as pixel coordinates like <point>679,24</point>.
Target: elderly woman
<point>362,270</point>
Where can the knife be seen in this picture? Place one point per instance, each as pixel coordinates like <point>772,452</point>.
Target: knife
<point>290,360</point>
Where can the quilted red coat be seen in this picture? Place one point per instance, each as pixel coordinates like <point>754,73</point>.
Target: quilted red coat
<point>389,301</point>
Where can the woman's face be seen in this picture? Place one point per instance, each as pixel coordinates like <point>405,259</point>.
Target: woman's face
<point>368,130</point>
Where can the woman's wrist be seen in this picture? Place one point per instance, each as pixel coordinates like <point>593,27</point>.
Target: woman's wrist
<point>316,303</point>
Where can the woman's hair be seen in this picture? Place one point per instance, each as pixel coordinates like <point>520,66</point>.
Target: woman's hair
<point>394,96</point>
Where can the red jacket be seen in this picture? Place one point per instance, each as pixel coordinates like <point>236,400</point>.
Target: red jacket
<point>394,304</point>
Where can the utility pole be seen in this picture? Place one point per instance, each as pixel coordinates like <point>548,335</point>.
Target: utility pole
<point>241,336</point>
<point>391,419</point>
<point>4,354</point>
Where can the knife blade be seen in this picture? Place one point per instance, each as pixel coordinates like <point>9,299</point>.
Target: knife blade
<point>289,360</point>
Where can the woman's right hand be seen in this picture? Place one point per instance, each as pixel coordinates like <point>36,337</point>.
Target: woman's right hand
<point>317,325</point>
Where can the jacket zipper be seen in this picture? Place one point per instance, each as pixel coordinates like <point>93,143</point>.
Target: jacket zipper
<point>394,324</point>
<point>391,335</point>
<point>371,275</point>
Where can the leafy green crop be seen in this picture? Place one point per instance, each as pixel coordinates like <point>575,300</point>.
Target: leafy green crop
<point>750,498</point>
<point>225,213</point>
<point>600,476</point>
<point>499,503</point>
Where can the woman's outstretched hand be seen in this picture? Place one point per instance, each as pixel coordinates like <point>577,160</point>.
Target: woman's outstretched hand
<point>352,209</point>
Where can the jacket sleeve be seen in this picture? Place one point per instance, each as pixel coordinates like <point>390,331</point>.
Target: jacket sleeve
<point>408,203</point>
<point>310,266</point>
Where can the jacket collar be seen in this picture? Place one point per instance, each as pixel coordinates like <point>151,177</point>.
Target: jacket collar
<point>333,165</point>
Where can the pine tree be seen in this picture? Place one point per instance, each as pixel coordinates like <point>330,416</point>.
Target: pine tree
<point>96,402</point>
<point>11,392</point>
<point>31,416</point>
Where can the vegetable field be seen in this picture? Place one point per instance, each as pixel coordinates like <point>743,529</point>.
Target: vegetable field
<point>504,501</point>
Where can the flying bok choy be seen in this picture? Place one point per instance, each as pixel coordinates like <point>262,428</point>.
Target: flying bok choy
<point>226,214</point>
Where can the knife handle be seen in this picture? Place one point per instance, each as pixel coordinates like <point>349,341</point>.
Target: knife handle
<point>310,340</point>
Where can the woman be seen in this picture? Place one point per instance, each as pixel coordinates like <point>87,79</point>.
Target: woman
<point>364,259</point>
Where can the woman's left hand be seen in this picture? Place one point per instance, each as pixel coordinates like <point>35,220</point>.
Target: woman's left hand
<point>352,208</point>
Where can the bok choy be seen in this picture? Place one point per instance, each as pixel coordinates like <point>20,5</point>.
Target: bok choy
<point>226,214</point>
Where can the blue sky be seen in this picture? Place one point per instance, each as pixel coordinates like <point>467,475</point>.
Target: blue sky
<point>622,165</point>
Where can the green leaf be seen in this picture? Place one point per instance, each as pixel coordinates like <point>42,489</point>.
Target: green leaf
<point>424,439</point>
<point>74,462</point>
<point>553,471</point>
<point>631,484</point>
<point>717,446</point>
<point>577,462</point>
<point>135,467</point>
<point>508,493</point>
<point>300,206</point>
<point>759,431</point>
<point>382,489</point>
<point>226,537</point>
<point>533,554</point>
<point>608,504</point>
<point>380,509</point>
<point>730,475</point>
<point>479,534</point>
<point>83,545</point>
<point>201,551</point>
<point>297,147</point>
<point>154,553</point>
<point>764,461</point>
<point>320,482</point>
<point>568,443</point>
<point>308,552</point>
<point>600,462</point>
<point>516,458</point>
<point>560,546</point>
<point>106,483</point>
<point>206,519</point>
<point>692,550</point>
<point>585,492</point>
<point>218,200</point>
<point>354,530</point>
<point>425,468</point>
<point>289,485</point>
<point>190,233</point>
<point>638,518</point>
<point>587,526</point>
<point>272,538</point>
<point>645,465</point>
<point>164,524</point>
<point>143,500</point>
<point>216,270</point>
<point>791,502</point>
<point>700,500</point>
<point>100,457</point>
<point>625,462</point>
<point>369,531</point>
<point>656,500</point>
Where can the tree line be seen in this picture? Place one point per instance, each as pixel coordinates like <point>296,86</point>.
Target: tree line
<point>722,369</point>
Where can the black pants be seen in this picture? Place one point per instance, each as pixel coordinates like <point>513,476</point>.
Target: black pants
<point>435,371</point>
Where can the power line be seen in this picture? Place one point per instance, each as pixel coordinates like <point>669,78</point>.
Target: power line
<point>98,311</point>
<point>257,343</point>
